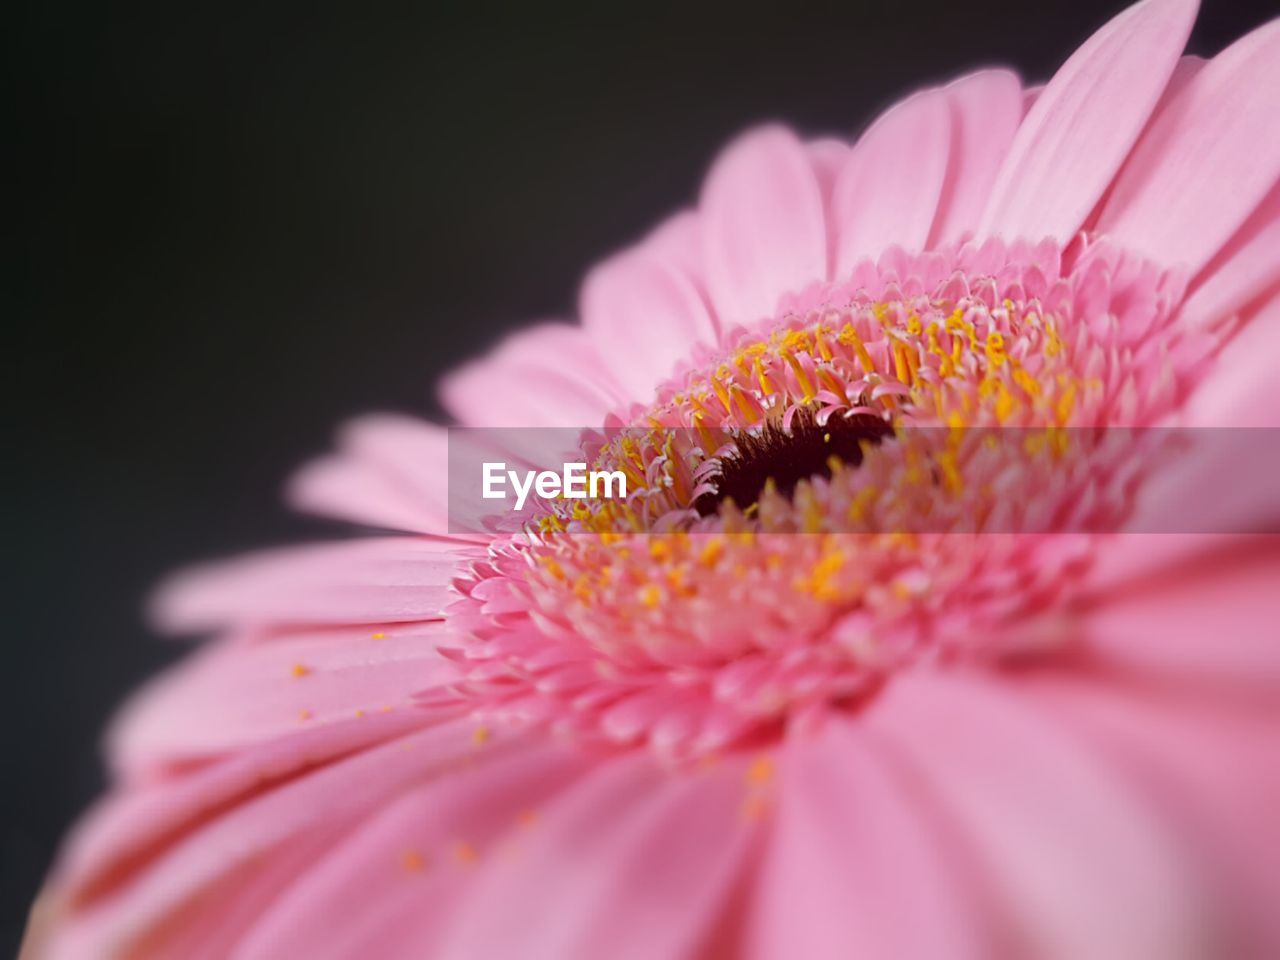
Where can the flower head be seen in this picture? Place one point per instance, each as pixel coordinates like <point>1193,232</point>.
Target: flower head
<point>849,671</point>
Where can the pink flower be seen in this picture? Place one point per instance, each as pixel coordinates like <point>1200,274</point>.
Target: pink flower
<point>752,710</point>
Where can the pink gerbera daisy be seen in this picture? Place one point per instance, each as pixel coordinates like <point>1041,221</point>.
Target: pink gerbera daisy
<point>829,682</point>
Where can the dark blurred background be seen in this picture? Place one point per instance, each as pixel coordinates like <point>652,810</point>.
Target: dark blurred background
<point>236,227</point>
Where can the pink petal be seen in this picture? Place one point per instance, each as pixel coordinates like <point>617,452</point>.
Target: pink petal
<point>1123,559</point>
<point>1210,623</point>
<point>1241,389</point>
<point>828,156</point>
<point>1083,125</point>
<point>888,190</point>
<point>1212,773</point>
<point>1222,477</point>
<point>371,580</point>
<point>644,315</point>
<point>393,470</point>
<point>673,843</point>
<point>1242,271</point>
<point>385,473</point>
<point>232,841</point>
<point>855,860</point>
<point>350,489</point>
<point>678,242</point>
<point>209,926</point>
<point>1061,841</point>
<point>1211,154</point>
<point>764,229</point>
<point>547,376</point>
<point>407,906</point>
<point>232,695</point>
<point>152,809</point>
<point>986,109</point>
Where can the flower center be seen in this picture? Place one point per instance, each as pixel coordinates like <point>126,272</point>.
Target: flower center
<point>789,540</point>
<point>775,460</point>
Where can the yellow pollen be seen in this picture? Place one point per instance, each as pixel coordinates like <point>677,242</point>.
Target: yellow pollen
<point>994,349</point>
<point>766,385</point>
<point>412,861</point>
<point>743,403</point>
<point>849,337</point>
<point>377,636</point>
<point>650,595</point>
<point>861,503</point>
<point>832,383</point>
<point>676,579</point>
<point>717,384</point>
<point>711,552</point>
<point>820,341</point>
<point>1066,404</point>
<point>1054,346</point>
<point>480,736</point>
<point>760,771</point>
<point>300,670</point>
<point>806,385</point>
<point>797,340</point>
<point>1030,386</point>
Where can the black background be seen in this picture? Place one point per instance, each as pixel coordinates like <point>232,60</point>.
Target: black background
<point>234,228</point>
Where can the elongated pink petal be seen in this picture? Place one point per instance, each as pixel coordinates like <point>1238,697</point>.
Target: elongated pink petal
<point>410,864</point>
<point>764,227</point>
<point>644,315</point>
<point>1067,848</point>
<point>828,156</point>
<point>208,926</point>
<point>390,471</point>
<point>363,581</point>
<point>673,842</point>
<point>677,241</point>
<point>153,808</point>
<point>887,192</point>
<point>233,695</point>
<point>854,860</point>
<point>1242,390</point>
<point>332,796</point>
<point>547,376</point>
<point>1211,623</point>
<point>1211,155</point>
<point>1222,477</point>
<point>1246,268</point>
<point>349,489</point>
<point>1082,126</point>
<point>986,110</point>
<point>1212,773</point>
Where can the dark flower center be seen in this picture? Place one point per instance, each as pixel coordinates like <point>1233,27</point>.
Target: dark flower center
<point>803,451</point>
